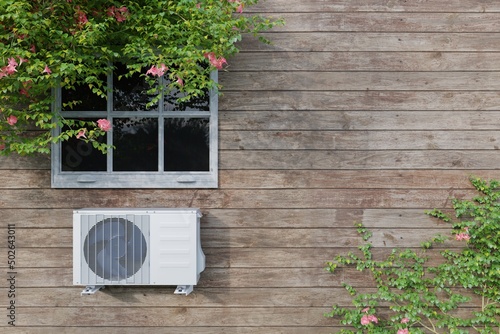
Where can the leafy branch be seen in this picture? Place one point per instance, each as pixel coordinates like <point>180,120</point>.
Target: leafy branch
<point>423,297</point>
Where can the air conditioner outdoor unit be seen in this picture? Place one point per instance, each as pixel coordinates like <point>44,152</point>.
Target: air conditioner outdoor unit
<point>137,247</point>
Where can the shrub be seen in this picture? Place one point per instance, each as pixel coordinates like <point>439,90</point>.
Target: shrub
<point>413,296</point>
<point>49,43</point>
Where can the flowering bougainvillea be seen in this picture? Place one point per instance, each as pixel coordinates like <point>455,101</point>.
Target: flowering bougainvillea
<point>49,43</point>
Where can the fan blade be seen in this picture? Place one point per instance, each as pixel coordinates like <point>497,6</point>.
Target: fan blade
<point>109,267</point>
<point>106,231</point>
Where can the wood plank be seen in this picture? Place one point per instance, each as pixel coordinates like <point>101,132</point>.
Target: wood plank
<point>227,278</point>
<point>359,140</point>
<point>209,278</point>
<point>359,160</point>
<point>351,179</point>
<point>159,317</point>
<point>254,198</point>
<point>14,161</point>
<point>123,296</point>
<point>38,218</point>
<point>373,41</point>
<point>172,330</point>
<point>17,178</point>
<point>234,257</point>
<point>388,22</point>
<point>364,61</point>
<point>352,81</point>
<point>358,100</point>
<point>428,6</point>
<point>253,217</point>
<point>255,237</point>
<point>359,120</point>
<point>143,296</point>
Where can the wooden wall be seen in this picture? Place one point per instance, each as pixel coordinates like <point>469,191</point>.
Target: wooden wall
<point>361,110</point>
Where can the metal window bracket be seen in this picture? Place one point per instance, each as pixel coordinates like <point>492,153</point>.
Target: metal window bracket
<point>91,289</point>
<point>183,290</point>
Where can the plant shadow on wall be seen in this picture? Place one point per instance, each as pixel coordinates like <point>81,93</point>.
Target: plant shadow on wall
<point>46,45</point>
<point>413,295</point>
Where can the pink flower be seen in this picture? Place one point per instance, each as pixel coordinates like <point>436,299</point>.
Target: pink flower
<point>12,62</point>
<point>33,48</point>
<point>82,18</point>
<point>216,62</point>
<point>198,5</point>
<point>22,60</point>
<point>462,236</point>
<point>10,68</point>
<point>239,9</point>
<point>46,70</point>
<point>403,331</point>
<point>104,125</point>
<point>81,134</point>
<point>2,147</point>
<point>180,81</point>
<point>120,14</point>
<point>158,71</point>
<point>405,320</point>
<point>12,120</point>
<point>366,309</point>
<point>365,320</point>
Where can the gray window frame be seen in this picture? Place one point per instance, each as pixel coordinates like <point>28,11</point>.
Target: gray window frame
<point>118,179</point>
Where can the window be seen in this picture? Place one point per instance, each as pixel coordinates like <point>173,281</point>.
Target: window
<point>168,145</point>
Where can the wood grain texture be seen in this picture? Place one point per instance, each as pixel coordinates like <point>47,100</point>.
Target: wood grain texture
<point>310,120</point>
<point>261,238</point>
<point>331,100</point>
<point>232,199</point>
<point>250,218</point>
<point>359,140</point>
<point>368,111</point>
<point>389,22</point>
<point>364,81</point>
<point>428,6</point>
<point>173,330</point>
<point>252,256</point>
<point>360,160</point>
<point>365,61</point>
<point>374,41</point>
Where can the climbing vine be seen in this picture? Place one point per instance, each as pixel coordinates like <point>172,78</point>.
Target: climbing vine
<point>46,44</point>
<point>414,296</point>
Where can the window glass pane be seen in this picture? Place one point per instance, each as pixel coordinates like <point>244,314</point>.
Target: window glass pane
<point>130,93</point>
<point>79,156</point>
<point>186,143</point>
<point>200,103</point>
<point>86,100</point>
<point>136,144</point>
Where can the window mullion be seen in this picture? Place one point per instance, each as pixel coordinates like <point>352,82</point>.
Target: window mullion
<point>161,127</point>
<point>109,134</point>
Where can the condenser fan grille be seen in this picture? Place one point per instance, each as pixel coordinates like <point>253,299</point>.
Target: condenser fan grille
<point>115,249</point>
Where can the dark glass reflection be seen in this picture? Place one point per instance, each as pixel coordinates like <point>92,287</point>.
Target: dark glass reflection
<point>86,100</point>
<point>130,93</point>
<point>200,103</point>
<point>136,144</point>
<point>187,144</point>
<point>79,156</point>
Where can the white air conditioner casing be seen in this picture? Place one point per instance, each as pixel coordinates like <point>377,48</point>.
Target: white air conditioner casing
<point>137,247</point>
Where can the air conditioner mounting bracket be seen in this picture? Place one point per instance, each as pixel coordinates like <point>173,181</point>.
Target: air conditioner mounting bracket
<point>183,290</point>
<point>91,289</point>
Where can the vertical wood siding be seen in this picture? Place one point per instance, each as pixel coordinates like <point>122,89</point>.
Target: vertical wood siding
<point>365,111</point>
